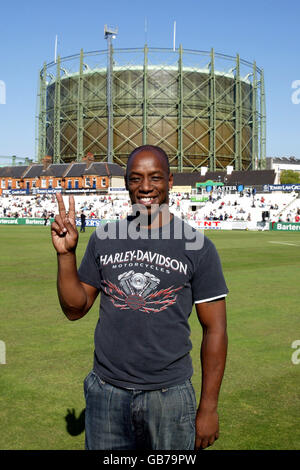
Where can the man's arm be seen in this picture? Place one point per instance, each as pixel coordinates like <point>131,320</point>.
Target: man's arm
<point>212,316</point>
<point>76,298</point>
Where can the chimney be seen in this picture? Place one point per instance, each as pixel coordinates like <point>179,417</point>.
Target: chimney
<point>46,161</point>
<point>88,159</point>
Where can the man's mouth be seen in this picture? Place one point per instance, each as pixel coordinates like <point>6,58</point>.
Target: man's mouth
<point>147,201</point>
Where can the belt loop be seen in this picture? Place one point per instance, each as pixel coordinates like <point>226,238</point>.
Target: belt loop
<point>164,390</point>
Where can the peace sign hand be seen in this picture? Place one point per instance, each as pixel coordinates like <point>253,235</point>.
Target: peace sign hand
<point>63,230</point>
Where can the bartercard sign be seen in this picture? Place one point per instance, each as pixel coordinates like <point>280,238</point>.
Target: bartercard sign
<point>285,227</point>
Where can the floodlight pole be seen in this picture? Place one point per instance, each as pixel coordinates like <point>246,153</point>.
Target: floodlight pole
<point>180,112</point>
<point>109,34</point>
<point>145,95</point>
<point>42,114</point>
<point>262,161</point>
<point>57,114</point>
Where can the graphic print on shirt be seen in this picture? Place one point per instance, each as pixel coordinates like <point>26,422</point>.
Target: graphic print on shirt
<point>137,292</point>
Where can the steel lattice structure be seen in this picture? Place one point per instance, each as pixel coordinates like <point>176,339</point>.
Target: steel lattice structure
<point>203,108</point>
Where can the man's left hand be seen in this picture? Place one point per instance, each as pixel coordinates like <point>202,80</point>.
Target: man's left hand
<point>207,429</point>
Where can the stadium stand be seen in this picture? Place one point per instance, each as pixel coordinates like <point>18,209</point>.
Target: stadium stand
<point>99,192</point>
<point>219,206</point>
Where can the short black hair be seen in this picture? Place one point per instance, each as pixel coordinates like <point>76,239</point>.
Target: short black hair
<point>154,148</point>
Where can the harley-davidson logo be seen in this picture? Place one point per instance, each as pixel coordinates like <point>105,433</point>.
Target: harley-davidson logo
<point>137,292</point>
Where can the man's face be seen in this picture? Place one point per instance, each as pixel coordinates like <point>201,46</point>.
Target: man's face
<point>148,180</point>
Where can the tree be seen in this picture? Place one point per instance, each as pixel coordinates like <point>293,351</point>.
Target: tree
<point>289,177</point>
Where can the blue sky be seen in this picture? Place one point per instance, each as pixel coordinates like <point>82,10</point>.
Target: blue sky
<point>266,31</point>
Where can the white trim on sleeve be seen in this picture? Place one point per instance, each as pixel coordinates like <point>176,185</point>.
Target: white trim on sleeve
<point>212,298</point>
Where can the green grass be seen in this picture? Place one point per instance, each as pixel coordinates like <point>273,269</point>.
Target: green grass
<point>47,357</point>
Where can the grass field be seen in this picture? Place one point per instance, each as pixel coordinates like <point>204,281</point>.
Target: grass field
<point>47,357</point>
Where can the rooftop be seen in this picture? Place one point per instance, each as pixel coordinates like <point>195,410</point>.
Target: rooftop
<point>13,171</point>
<point>247,178</point>
<point>56,170</point>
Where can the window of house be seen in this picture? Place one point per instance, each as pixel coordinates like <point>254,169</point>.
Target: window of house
<point>9,184</point>
<point>103,182</point>
<point>3,185</point>
<point>58,183</point>
<point>50,183</point>
<point>43,183</point>
<point>17,184</point>
<point>94,183</point>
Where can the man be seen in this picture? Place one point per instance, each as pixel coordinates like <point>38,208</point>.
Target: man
<point>150,270</point>
<point>46,217</point>
<point>83,222</point>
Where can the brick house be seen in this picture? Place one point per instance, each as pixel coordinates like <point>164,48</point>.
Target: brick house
<point>11,177</point>
<point>84,176</point>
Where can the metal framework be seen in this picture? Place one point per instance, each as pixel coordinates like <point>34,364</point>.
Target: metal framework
<point>203,108</point>
<point>13,160</point>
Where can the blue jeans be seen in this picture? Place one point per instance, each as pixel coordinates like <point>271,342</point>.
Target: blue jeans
<point>125,419</point>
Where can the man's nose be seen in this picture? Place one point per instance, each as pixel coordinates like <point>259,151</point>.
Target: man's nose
<point>146,185</point>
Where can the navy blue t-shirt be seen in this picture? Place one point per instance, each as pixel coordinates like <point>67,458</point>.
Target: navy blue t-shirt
<point>148,284</point>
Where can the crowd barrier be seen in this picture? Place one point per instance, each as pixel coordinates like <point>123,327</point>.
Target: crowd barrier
<point>200,225</point>
<point>41,221</point>
<point>22,221</point>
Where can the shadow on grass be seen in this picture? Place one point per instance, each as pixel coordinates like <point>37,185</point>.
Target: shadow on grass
<point>75,426</point>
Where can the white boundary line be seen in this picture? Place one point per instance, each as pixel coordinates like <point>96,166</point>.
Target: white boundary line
<point>286,243</point>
